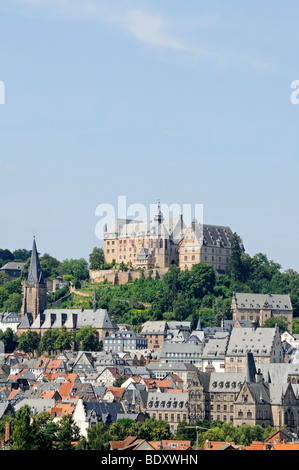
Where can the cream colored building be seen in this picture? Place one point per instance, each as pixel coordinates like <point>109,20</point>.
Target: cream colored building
<point>260,307</point>
<point>208,244</point>
<point>144,244</point>
<point>162,242</point>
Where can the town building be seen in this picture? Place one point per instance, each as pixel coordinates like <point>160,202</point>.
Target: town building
<point>13,269</point>
<point>253,397</point>
<point>170,407</point>
<point>261,307</point>
<point>9,320</point>
<point>208,244</point>
<point>124,340</point>
<point>264,343</point>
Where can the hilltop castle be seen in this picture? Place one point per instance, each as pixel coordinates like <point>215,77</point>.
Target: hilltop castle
<point>162,242</point>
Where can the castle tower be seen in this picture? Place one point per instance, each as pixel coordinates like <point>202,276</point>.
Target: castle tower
<point>35,288</point>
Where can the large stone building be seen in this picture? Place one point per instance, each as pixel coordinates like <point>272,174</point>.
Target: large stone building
<point>211,245</point>
<point>265,396</point>
<point>162,242</point>
<point>264,343</point>
<point>260,307</point>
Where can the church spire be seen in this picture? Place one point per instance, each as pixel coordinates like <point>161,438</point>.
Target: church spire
<point>95,302</point>
<point>159,215</point>
<point>35,273</point>
<point>250,370</point>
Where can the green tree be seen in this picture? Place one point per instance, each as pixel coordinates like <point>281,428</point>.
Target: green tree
<point>202,280</point>
<point>4,278</point>
<point>44,430</point>
<point>77,268</point>
<point>97,437</point>
<point>6,255</point>
<point>64,339</point>
<point>180,309</point>
<point>235,262</point>
<point>88,338</point>
<point>29,341</point>
<point>48,340</point>
<point>67,433</point>
<point>13,303</point>
<point>49,266</point>
<point>96,259</point>
<point>21,255</point>
<point>10,340</point>
<point>23,436</point>
<point>272,322</point>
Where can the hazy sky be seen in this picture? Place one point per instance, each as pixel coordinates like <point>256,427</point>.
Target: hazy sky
<point>186,101</point>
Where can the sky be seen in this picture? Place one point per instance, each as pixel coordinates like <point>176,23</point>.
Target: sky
<point>186,102</point>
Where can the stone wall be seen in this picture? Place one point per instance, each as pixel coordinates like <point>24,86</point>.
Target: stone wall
<point>123,277</point>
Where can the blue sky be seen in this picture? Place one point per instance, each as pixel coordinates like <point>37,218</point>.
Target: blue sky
<point>187,101</point>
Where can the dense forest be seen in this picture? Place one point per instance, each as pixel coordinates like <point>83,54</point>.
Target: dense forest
<point>183,295</point>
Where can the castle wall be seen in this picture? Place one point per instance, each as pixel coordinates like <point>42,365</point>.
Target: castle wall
<point>123,277</point>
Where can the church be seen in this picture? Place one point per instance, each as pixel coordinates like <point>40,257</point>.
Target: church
<point>36,317</point>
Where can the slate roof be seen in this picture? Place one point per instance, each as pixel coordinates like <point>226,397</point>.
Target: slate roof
<point>215,348</point>
<point>259,341</point>
<point>71,318</point>
<point>258,301</point>
<point>35,273</point>
<point>13,265</point>
<point>217,235</point>
<point>103,409</point>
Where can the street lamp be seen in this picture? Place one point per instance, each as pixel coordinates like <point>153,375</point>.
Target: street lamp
<point>196,428</point>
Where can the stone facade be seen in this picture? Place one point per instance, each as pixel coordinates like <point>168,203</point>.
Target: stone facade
<point>35,288</point>
<point>253,397</point>
<point>117,277</point>
<point>170,407</point>
<point>160,243</point>
<point>209,244</point>
<point>264,343</point>
<point>260,307</point>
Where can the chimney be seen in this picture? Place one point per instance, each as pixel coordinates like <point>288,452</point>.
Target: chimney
<point>7,430</point>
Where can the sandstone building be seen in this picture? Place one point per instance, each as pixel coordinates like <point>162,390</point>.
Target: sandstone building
<point>162,242</point>
<point>264,396</point>
<point>260,307</point>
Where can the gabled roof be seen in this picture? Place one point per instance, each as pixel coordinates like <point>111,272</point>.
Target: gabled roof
<point>259,301</point>
<point>259,341</point>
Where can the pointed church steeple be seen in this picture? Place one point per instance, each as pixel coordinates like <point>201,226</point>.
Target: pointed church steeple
<point>198,327</point>
<point>95,302</point>
<point>35,273</point>
<point>159,215</point>
<point>35,289</point>
<point>250,370</point>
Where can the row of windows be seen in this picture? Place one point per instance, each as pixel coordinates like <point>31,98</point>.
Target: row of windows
<point>172,417</point>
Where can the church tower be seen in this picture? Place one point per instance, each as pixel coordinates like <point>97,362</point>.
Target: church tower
<point>35,288</point>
